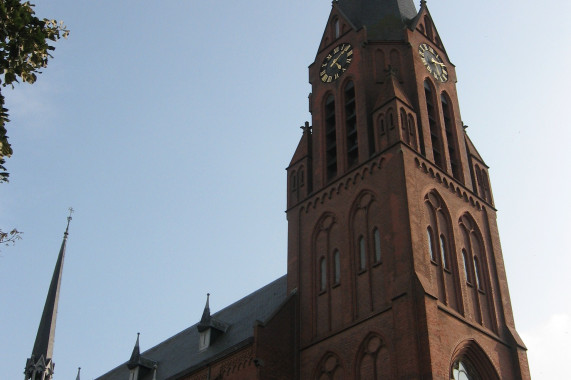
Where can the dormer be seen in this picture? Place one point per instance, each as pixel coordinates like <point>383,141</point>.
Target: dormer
<point>141,368</point>
<point>209,328</point>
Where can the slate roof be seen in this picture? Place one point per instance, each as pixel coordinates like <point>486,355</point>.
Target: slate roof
<point>180,353</point>
<point>384,19</point>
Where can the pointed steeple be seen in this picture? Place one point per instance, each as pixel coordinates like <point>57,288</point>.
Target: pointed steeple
<point>205,320</point>
<point>136,354</point>
<point>40,365</point>
<point>138,363</point>
<point>384,19</point>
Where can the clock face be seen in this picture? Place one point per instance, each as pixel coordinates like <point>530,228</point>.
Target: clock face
<point>336,63</point>
<point>433,62</point>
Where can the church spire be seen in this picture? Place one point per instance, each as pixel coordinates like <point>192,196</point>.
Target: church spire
<point>384,19</point>
<point>40,364</point>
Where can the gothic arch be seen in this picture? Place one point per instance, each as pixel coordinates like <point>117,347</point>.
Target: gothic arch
<point>451,135</point>
<point>434,127</point>
<point>329,367</point>
<point>329,140</point>
<point>477,272</point>
<point>368,272</point>
<point>477,361</point>
<point>321,258</point>
<point>349,112</point>
<point>395,60</point>
<point>441,249</point>
<point>373,359</point>
<point>379,64</point>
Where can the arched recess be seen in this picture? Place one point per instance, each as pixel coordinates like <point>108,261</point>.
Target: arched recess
<point>350,115</point>
<point>394,57</point>
<point>329,367</point>
<point>434,124</point>
<point>480,303</point>
<point>412,139</point>
<point>451,136</point>
<point>373,359</point>
<point>441,249</point>
<point>469,357</point>
<point>330,142</point>
<point>322,262</point>
<point>379,65</point>
<point>368,269</point>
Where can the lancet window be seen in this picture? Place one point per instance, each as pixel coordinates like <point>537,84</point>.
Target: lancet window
<point>351,125</point>
<point>330,138</point>
<point>435,133</point>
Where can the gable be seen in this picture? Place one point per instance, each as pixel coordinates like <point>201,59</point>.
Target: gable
<point>337,25</point>
<point>424,24</point>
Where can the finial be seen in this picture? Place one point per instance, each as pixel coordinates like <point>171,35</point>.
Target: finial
<point>422,3</point>
<point>306,127</point>
<point>78,371</point>
<point>71,210</point>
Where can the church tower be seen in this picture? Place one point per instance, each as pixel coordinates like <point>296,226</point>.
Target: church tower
<point>393,245</point>
<point>40,365</point>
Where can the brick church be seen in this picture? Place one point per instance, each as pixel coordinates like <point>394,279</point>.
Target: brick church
<point>395,269</point>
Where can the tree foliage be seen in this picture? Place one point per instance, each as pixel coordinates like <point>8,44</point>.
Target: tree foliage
<point>25,45</point>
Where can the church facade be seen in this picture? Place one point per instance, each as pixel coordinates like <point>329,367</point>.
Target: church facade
<point>395,268</point>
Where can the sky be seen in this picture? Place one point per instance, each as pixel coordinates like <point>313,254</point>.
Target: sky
<point>167,126</point>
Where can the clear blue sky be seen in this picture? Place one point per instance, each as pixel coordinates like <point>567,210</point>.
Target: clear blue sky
<point>167,125</point>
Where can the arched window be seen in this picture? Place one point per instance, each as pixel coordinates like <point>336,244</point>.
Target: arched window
<point>463,370</point>
<point>445,263</point>
<point>330,138</point>
<point>444,252</point>
<point>450,128</point>
<point>403,121</point>
<point>293,181</point>
<point>435,133</point>
<point>377,239</point>
<point>336,267</point>
<point>477,274</point>
<point>337,28</point>
<point>465,262</point>
<point>362,254</point>
<point>472,363</point>
<point>486,186</point>
<point>411,140</point>
<point>323,277</point>
<point>479,303</point>
<point>431,244</point>
<point>428,26</point>
<point>391,120</point>
<point>382,124</point>
<point>351,125</point>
